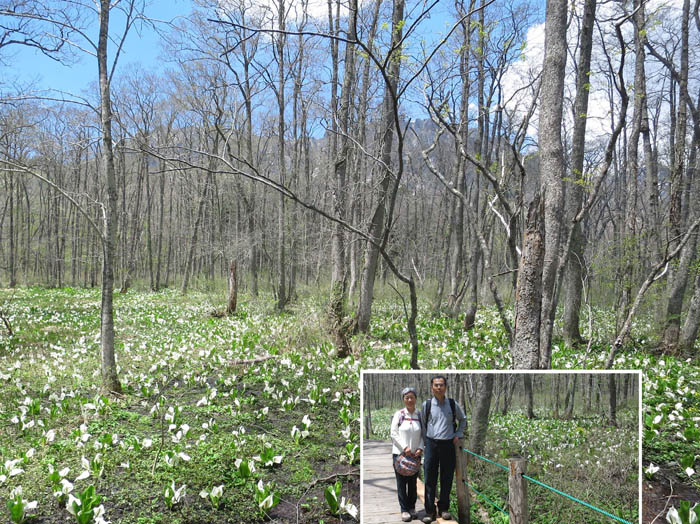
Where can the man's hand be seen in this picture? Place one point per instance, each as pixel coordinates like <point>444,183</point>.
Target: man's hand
<point>456,440</point>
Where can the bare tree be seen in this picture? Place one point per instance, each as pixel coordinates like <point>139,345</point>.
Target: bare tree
<point>380,224</point>
<point>573,275</point>
<point>47,22</point>
<point>551,167</point>
<point>46,26</point>
<point>480,414</point>
<point>341,159</point>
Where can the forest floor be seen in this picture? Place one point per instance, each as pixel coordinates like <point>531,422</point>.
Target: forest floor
<point>191,416</point>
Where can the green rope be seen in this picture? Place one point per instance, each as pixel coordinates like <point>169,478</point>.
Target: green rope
<point>486,498</point>
<point>577,500</point>
<point>548,487</point>
<point>487,460</point>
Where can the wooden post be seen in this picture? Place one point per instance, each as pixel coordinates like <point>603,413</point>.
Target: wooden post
<point>462,491</point>
<point>517,490</point>
<point>232,288</point>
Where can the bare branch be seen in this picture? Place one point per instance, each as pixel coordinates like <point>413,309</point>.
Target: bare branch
<point>53,21</point>
<point>284,190</point>
<point>652,277</point>
<point>77,101</point>
<point>482,241</point>
<point>19,168</point>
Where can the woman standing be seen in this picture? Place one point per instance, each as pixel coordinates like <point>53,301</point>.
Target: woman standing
<point>407,439</point>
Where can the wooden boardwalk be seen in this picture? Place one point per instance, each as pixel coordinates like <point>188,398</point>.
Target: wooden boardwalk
<point>380,503</point>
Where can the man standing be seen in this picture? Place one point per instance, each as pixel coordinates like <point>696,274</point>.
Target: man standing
<point>444,421</point>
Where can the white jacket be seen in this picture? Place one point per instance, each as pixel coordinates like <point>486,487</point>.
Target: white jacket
<point>409,434</point>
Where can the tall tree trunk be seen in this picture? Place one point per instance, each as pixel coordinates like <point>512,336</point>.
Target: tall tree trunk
<point>472,291</point>
<point>573,283</point>
<point>360,161</point>
<point>528,295</point>
<point>480,414</point>
<point>691,326</point>
<point>12,255</point>
<point>132,242</point>
<point>627,190</point>
<point>369,395</point>
<point>341,160</point>
<point>510,386</point>
<point>161,216</point>
<point>570,397</point>
<point>232,288</point>
<point>612,400</point>
<point>689,331</point>
<point>651,178</point>
<point>552,166</point>
<point>527,381</point>
<point>189,270</point>
<point>453,255</point>
<point>456,247</point>
<point>282,297</point>
<point>110,381</point>
<point>677,288</point>
<point>678,278</point>
<point>378,230</point>
<point>475,219</point>
<point>250,157</point>
<point>149,230</point>
<point>457,226</point>
<point>446,246</point>
<point>589,396</point>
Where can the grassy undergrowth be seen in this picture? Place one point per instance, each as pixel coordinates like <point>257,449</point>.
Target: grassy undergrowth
<point>173,354</point>
<point>584,458</point>
<point>270,435</point>
<point>581,457</point>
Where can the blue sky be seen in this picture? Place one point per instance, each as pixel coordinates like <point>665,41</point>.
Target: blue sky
<point>29,66</point>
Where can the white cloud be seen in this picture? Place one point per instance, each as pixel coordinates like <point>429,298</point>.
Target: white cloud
<point>266,12</point>
<point>519,81</point>
<point>518,98</point>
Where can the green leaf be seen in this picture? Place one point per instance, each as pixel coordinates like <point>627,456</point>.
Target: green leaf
<point>16,511</point>
<point>331,499</point>
<point>687,460</point>
<point>684,511</point>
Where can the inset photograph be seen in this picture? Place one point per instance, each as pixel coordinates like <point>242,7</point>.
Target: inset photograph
<point>501,447</point>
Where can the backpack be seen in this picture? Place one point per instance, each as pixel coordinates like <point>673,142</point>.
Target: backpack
<point>402,417</point>
<point>426,409</point>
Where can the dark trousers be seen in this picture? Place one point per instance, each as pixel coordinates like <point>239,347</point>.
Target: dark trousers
<point>406,487</point>
<point>439,454</point>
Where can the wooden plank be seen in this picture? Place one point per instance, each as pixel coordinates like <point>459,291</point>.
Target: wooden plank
<point>421,497</point>
<point>380,503</point>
